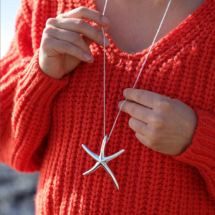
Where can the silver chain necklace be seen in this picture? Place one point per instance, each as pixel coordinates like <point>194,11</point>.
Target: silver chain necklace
<point>101,159</point>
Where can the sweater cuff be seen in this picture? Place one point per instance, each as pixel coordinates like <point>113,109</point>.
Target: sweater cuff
<point>201,153</point>
<point>35,82</point>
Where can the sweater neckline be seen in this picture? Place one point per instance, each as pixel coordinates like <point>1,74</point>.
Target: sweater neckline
<point>112,48</point>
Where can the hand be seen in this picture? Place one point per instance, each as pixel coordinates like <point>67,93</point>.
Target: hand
<point>63,48</point>
<point>165,125</point>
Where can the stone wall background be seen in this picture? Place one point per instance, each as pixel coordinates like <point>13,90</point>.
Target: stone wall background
<point>17,192</point>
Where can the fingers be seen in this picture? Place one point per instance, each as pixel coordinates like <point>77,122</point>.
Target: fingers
<point>146,142</point>
<point>62,47</point>
<point>67,27</point>
<point>86,13</point>
<point>62,34</point>
<point>137,111</point>
<point>141,138</point>
<point>72,39</point>
<point>73,21</point>
<point>146,98</point>
<point>79,26</point>
<point>152,144</point>
<point>59,46</point>
<point>89,41</point>
<point>138,126</point>
<point>148,136</point>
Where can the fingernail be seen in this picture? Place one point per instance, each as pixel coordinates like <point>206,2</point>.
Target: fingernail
<point>107,41</point>
<point>119,104</point>
<point>87,57</point>
<point>91,59</point>
<point>124,92</point>
<point>105,20</point>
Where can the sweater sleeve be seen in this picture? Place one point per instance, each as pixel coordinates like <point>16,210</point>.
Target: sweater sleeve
<point>26,99</point>
<point>201,153</point>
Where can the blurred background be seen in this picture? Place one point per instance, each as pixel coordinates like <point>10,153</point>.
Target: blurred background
<point>17,190</point>
<point>9,10</point>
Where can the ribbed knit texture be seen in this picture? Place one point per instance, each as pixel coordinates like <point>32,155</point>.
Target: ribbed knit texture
<point>45,121</point>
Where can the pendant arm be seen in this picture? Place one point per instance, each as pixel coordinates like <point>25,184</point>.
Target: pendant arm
<point>106,159</point>
<point>111,174</point>
<point>102,153</point>
<point>94,156</point>
<point>96,166</point>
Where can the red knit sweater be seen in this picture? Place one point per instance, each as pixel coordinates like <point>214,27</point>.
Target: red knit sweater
<point>45,121</point>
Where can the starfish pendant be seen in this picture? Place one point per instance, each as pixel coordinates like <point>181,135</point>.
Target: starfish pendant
<point>102,160</point>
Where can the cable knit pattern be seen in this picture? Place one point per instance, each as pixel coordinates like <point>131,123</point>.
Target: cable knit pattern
<point>45,121</point>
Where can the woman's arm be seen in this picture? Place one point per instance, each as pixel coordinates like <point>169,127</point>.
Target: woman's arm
<point>201,153</point>
<point>26,99</point>
<point>171,127</point>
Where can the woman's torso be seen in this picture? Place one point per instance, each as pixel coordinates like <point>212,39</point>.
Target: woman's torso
<point>150,183</point>
<point>133,24</point>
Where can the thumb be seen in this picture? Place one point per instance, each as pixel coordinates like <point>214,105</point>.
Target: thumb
<point>88,41</point>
